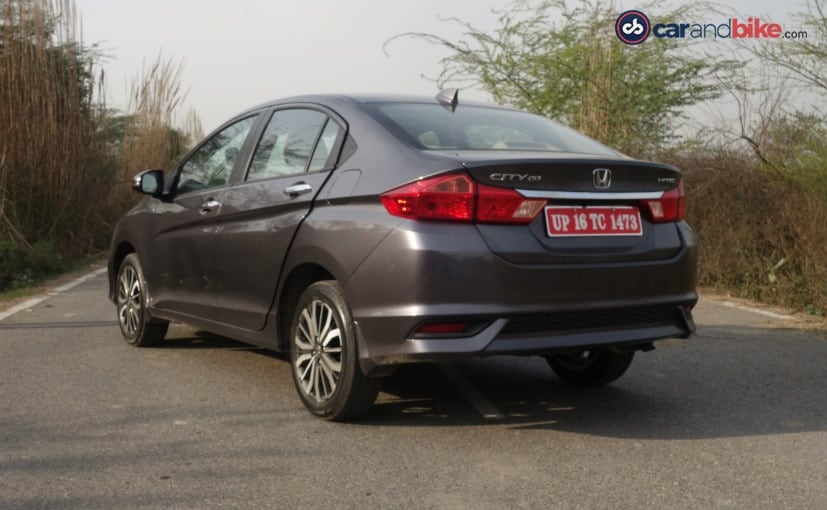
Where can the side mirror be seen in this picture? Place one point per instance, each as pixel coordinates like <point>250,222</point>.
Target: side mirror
<point>149,182</point>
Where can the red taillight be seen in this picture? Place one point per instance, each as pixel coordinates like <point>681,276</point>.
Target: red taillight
<point>670,207</point>
<point>499,205</point>
<point>456,197</point>
<point>448,197</point>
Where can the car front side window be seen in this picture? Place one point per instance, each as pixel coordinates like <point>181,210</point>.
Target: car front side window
<point>211,165</point>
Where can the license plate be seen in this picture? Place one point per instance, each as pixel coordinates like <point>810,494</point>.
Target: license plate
<point>566,221</point>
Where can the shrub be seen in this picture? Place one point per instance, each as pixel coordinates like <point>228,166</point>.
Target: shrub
<point>21,266</point>
<point>762,234</point>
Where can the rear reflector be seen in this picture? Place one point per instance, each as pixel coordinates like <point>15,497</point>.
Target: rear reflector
<point>441,328</point>
<point>450,328</point>
<point>457,198</point>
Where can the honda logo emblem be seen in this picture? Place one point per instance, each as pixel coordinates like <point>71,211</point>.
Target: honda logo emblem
<point>602,178</point>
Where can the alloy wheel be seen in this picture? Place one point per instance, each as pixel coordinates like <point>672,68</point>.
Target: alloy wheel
<point>318,342</point>
<point>130,306</point>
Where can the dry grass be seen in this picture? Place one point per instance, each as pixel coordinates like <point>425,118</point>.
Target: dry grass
<point>762,235</point>
<point>149,141</point>
<point>50,167</point>
<point>65,160</point>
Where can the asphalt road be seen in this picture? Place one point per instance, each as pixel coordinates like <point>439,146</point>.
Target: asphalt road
<point>734,418</point>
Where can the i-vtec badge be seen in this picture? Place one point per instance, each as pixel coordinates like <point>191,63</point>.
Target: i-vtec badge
<point>515,177</point>
<point>667,180</point>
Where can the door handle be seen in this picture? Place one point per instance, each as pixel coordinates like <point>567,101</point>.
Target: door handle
<point>209,205</point>
<point>297,189</point>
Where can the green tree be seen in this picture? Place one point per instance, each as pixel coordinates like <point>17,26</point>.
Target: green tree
<point>781,97</point>
<point>567,63</point>
<point>804,58</point>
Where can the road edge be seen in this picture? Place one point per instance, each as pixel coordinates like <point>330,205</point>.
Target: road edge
<point>36,300</point>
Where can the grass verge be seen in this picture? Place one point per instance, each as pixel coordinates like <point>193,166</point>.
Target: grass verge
<point>45,282</point>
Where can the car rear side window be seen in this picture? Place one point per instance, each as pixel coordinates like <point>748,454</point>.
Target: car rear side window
<point>287,144</point>
<point>210,166</point>
<point>431,126</point>
<point>324,157</point>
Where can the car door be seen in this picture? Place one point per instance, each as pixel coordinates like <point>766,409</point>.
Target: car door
<point>181,268</point>
<point>261,214</point>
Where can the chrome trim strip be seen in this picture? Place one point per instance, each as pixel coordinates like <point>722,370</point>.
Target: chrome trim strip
<point>589,195</point>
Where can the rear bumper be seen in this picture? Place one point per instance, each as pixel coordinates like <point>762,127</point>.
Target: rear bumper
<point>425,272</point>
<point>496,338</point>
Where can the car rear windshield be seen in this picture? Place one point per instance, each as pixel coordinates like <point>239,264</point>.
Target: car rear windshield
<point>432,126</point>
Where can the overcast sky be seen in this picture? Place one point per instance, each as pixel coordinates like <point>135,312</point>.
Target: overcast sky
<point>238,53</point>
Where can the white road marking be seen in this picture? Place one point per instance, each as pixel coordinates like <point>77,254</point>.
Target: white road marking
<point>25,305</point>
<point>474,397</point>
<point>766,313</point>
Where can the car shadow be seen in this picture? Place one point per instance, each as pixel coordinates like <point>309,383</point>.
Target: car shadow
<point>726,382</point>
<point>204,340</point>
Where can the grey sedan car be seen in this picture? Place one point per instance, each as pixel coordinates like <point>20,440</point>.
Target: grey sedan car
<point>358,233</point>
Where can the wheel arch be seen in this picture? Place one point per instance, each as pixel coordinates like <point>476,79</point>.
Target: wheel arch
<point>299,278</point>
<point>120,252</point>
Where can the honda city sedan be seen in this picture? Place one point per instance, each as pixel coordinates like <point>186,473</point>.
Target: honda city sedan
<point>358,233</point>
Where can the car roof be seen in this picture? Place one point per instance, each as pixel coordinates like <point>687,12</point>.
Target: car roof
<point>332,100</point>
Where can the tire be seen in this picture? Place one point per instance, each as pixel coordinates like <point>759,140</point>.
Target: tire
<point>324,357</point>
<point>137,326</point>
<point>590,368</point>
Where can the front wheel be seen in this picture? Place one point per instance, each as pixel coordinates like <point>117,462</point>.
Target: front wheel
<point>590,368</point>
<point>324,357</point>
<point>137,327</point>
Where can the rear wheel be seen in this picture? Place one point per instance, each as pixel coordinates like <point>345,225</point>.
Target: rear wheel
<point>324,357</point>
<point>590,368</point>
<point>137,327</point>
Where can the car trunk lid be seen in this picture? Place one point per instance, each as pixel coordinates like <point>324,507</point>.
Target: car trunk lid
<point>597,189</point>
